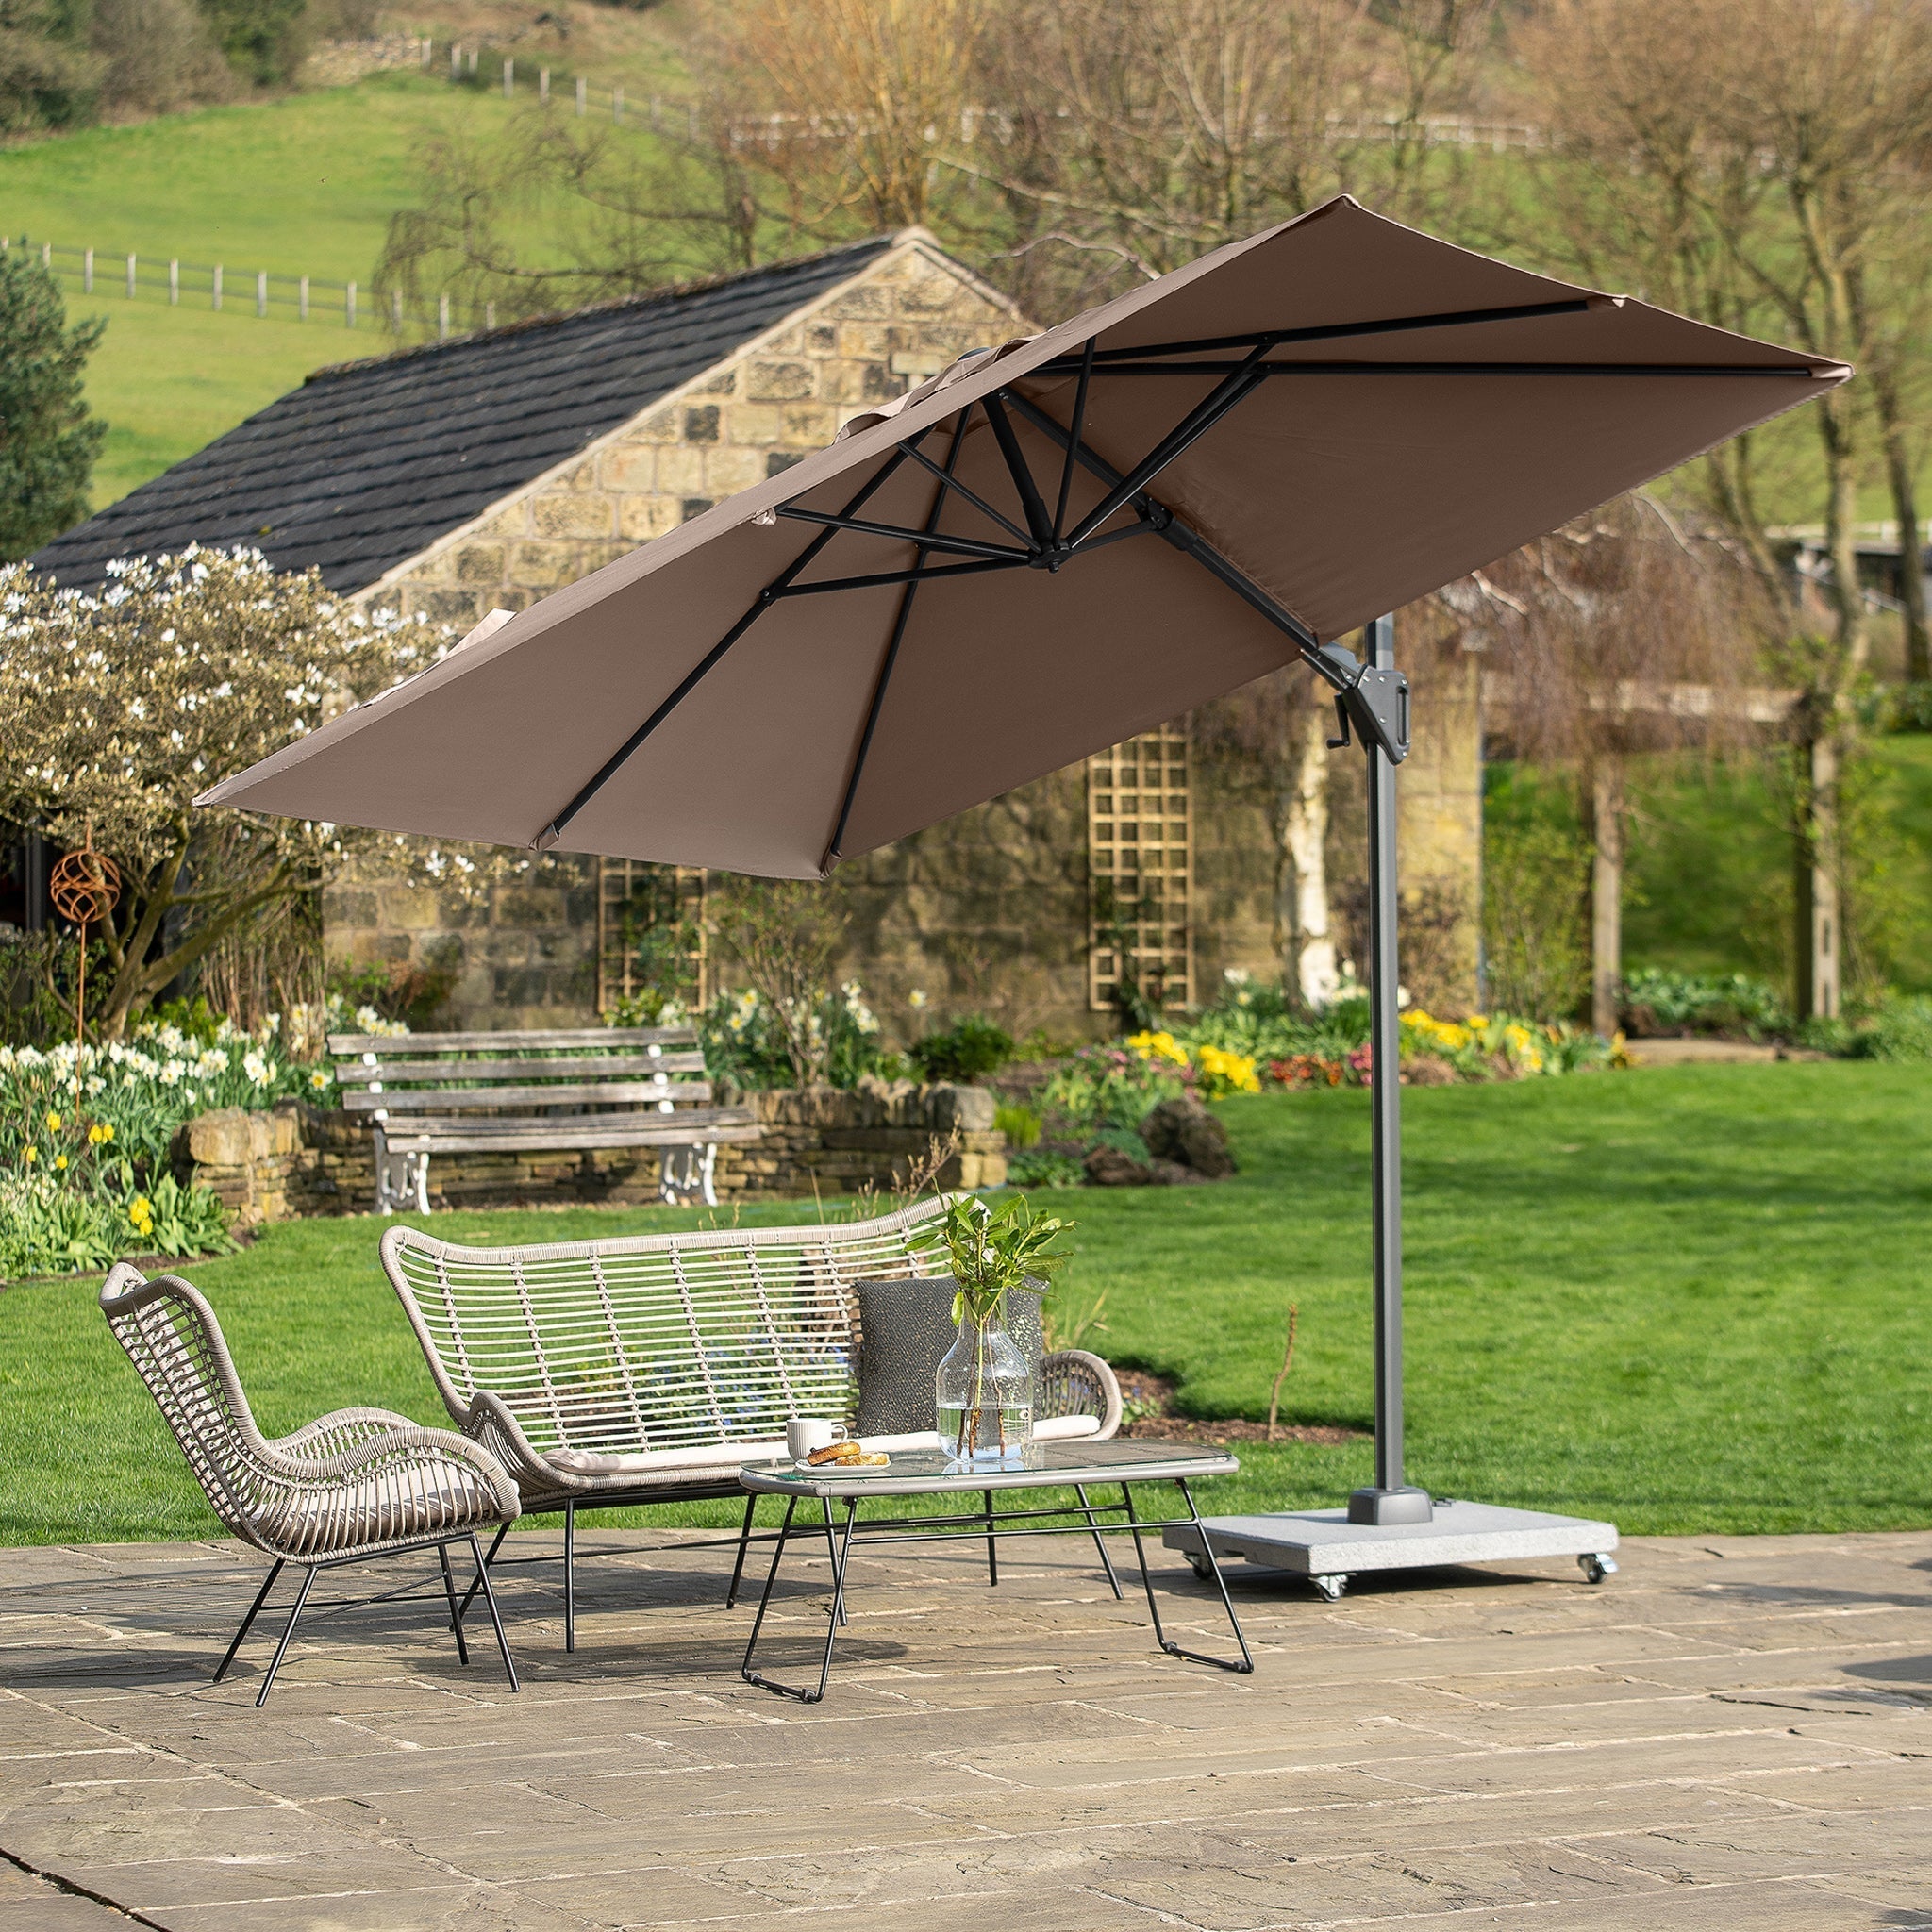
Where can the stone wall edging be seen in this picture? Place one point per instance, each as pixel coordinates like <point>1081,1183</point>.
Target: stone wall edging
<point>295,1159</point>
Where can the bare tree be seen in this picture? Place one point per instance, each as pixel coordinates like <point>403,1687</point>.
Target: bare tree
<point>554,213</point>
<point>786,935</point>
<point>850,103</point>
<point>1756,164</point>
<point>1623,633</point>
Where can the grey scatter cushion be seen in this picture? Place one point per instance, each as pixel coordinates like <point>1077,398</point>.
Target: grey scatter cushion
<point>905,1328</point>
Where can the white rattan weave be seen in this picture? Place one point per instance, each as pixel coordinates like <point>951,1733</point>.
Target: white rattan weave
<point>654,1342</point>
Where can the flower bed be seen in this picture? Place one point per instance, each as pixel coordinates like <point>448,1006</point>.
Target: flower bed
<point>85,1134</point>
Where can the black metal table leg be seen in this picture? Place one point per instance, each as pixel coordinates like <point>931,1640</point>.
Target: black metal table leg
<point>751,1504</point>
<point>254,1611</point>
<point>1099,1543</point>
<point>1247,1662</point>
<point>831,1544</point>
<point>993,1559</point>
<point>449,1589</point>
<point>276,1661</point>
<point>835,1614</point>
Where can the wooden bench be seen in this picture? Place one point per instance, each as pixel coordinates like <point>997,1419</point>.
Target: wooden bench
<point>527,1093</point>
<point>646,1369</point>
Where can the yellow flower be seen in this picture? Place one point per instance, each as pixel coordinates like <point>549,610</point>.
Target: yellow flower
<point>53,1123</point>
<point>1159,1046</point>
<point>99,1136</point>
<point>59,1160</point>
<point>1235,1071</point>
<point>32,1155</point>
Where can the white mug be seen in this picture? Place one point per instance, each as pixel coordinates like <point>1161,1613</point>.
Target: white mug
<point>804,1433</point>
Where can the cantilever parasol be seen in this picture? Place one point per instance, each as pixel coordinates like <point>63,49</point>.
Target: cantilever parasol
<point>1059,542</point>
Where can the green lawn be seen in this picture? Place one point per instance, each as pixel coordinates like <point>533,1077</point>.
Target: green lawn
<point>1693,1299</point>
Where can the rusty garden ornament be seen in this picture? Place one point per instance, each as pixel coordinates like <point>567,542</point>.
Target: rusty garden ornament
<point>85,887</point>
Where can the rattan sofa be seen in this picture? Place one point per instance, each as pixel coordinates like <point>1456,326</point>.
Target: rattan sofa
<point>644,1369</point>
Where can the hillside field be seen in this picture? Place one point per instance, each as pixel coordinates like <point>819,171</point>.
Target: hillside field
<point>305,184</point>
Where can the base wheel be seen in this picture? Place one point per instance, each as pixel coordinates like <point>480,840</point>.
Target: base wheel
<point>1595,1568</point>
<point>1201,1568</point>
<point>1330,1586</point>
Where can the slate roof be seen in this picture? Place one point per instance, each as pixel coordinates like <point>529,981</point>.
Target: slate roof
<point>367,464</point>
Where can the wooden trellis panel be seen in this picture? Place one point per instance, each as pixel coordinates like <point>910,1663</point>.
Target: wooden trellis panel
<point>617,879</point>
<point>1140,847</point>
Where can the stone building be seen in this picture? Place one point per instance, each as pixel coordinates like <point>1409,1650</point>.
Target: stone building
<point>487,471</point>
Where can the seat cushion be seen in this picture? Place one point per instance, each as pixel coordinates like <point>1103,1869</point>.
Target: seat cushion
<point>904,1328</point>
<point>698,1459</point>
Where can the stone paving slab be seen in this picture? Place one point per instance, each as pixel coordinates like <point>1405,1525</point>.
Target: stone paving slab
<point>1734,1732</point>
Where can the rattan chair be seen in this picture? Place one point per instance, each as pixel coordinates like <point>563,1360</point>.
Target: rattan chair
<point>355,1484</point>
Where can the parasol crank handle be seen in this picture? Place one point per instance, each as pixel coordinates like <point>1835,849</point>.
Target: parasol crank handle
<point>1373,700</point>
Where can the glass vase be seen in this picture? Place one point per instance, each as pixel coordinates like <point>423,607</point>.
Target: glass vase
<point>984,1395</point>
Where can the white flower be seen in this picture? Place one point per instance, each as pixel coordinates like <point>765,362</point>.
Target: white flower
<point>172,1074</point>
<point>255,1068</point>
<point>916,998</point>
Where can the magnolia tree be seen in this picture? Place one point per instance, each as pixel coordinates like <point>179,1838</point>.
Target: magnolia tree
<point>118,706</point>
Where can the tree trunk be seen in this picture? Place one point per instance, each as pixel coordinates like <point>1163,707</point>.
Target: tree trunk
<point>1310,960</point>
<point>1607,895</point>
<point>1819,922</point>
<point>1904,507</point>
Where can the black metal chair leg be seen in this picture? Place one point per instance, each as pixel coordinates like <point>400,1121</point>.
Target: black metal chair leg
<point>570,1576</point>
<point>470,1594</point>
<point>495,1620</point>
<point>992,1557</point>
<point>1099,1543</point>
<point>449,1589</point>
<point>751,1504</point>
<point>276,1661</point>
<point>1147,1581</point>
<point>254,1611</point>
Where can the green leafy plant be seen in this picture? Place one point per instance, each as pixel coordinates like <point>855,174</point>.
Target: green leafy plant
<point>994,1251</point>
<point>1019,1124</point>
<point>1728,1002</point>
<point>1110,1087</point>
<point>964,1051</point>
<point>1046,1167</point>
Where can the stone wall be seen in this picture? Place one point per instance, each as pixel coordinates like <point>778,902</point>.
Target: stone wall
<point>297,1160</point>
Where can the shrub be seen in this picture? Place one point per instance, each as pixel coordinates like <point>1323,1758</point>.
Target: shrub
<point>1110,1087</point>
<point>1019,1124</point>
<point>1046,1167</point>
<point>1897,1028</point>
<point>745,1041</point>
<point>965,1051</point>
<point>1654,998</point>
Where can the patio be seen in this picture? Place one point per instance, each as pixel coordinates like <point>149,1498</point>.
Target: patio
<point>1732,1733</point>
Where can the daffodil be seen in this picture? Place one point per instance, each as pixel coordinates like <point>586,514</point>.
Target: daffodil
<point>53,1123</point>
<point>59,1160</point>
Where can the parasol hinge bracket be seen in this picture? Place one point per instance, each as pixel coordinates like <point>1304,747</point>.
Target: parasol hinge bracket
<point>1369,703</point>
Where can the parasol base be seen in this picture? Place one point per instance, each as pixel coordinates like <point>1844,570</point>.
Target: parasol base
<point>1406,1505</point>
<point>1328,1548</point>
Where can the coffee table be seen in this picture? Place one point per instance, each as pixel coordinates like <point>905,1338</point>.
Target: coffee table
<point>1081,1467</point>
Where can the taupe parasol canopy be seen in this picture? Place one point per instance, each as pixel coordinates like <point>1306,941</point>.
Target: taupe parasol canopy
<point>1269,447</point>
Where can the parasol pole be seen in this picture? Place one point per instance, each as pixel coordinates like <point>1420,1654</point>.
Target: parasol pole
<point>1389,1499</point>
